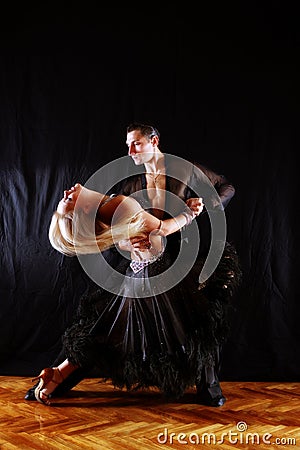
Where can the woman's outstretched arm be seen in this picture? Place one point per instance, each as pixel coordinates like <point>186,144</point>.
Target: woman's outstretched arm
<point>122,208</point>
<point>152,225</point>
<point>174,224</point>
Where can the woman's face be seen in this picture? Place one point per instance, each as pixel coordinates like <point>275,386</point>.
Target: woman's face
<point>69,199</point>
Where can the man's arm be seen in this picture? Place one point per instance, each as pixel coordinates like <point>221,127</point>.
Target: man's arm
<point>223,187</point>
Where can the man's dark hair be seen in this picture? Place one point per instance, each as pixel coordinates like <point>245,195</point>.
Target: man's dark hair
<point>146,130</point>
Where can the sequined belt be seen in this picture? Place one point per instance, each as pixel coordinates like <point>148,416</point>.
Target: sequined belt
<point>139,265</point>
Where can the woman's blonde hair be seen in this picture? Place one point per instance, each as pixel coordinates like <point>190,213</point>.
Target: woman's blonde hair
<point>79,233</point>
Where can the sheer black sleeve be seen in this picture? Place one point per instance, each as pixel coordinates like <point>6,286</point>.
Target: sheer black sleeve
<point>222,185</point>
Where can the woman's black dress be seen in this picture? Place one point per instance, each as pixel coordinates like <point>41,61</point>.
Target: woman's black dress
<point>163,340</point>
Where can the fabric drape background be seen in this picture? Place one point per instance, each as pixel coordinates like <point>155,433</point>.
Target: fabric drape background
<point>223,89</point>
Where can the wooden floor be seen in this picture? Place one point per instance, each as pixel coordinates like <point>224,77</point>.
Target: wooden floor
<point>94,415</point>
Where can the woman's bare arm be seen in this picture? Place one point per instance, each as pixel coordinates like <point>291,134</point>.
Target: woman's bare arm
<point>129,207</point>
<point>162,227</point>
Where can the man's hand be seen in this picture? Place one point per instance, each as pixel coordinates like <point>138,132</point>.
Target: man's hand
<point>141,243</point>
<point>195,205</point>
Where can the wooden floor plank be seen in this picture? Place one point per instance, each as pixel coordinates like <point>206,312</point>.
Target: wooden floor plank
<point>96,416</point>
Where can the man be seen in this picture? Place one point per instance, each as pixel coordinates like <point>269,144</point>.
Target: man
<point>161,175</point>
<point>163,180</point>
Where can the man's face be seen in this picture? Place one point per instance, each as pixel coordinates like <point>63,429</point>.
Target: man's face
<point>140,148</point>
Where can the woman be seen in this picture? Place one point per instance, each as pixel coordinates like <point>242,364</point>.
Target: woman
<point>87,221</point>
<point>150,341</point>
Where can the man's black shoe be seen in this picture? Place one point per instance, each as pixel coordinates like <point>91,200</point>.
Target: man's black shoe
<point>210,395</point>
<point>209,401</point>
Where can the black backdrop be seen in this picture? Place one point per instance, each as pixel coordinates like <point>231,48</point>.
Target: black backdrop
<point>222,87</point>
